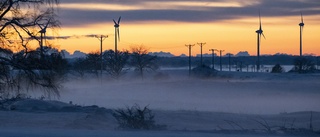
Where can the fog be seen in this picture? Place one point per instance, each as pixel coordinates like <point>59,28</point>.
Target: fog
<point>250,93</point>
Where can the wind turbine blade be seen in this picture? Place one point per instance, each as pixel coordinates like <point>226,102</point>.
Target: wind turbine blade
<point>301,17</point>
<point>40,26</point>
<point>263,36</point>
<point>260,21</point>
<point>259,38</point>
<point>119,20</point>
<point>47,24</point>
<point>115,22</point>
<point>118,31</point>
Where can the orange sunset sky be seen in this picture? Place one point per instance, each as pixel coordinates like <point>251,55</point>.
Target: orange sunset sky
<point>168,25</point>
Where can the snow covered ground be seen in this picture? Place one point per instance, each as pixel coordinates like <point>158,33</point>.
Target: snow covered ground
<point>232,104</point>
<point>100,133</point>
<point>257,93</point>
<point>64,120</point>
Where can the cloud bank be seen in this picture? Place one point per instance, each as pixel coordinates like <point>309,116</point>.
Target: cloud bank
<point>83,12</point>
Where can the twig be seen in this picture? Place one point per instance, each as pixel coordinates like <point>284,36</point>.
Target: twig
<point>231,123</point>
<point>264,124</point>
<point>311,126</point>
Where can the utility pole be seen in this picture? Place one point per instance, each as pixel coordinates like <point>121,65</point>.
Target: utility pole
<point>201,44</point>
<point>229,55</point>
<point>189,46</point>
<point>220,58</point>
<point>258,53</point>
<point>212,50</point>
<point>101,38</point>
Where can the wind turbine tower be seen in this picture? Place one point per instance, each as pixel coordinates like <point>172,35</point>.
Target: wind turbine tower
<point>259,33</point>
<point>301,29</point>
<point>117,35</point>
<point>43,35</point>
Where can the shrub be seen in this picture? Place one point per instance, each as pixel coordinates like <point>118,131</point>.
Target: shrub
<point>203,71</point>
<point>303,65</point>
<point>277,69</point>
<point>136,118</point>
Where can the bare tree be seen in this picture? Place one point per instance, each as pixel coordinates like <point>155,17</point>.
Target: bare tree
<point>92,63</point>
<point>30,71</point>
<point>115,64</point>
<point>303,65</point>
<point>78,67</point>
<point>21,19</point>
<point>142,61</point>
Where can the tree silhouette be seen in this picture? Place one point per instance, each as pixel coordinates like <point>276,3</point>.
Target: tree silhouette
<point>115,64</point>
<point>303,65</point>
<point>79,67</point>
<point>22,72</point>
<point>92,63</point>
<point>22,18</point>
<point>277,69</point>
<point>26,69</point>
<point>141,61</point>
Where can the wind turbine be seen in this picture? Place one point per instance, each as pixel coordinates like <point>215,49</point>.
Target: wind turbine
<point>301,29</point>
<point>259,33</point>
<point>117,34</point>
<point>43,34</point>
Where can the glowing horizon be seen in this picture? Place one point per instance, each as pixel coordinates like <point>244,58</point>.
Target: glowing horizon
<point>172,37</point>
<point>169,25</point>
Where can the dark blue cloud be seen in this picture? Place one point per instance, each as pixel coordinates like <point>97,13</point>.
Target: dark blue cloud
<point>269,8</point>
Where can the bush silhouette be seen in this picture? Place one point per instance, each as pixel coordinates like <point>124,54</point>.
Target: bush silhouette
<point>136,118</point>
<point>277,69</point>
<point>203,71</point>
<point>303,65</point>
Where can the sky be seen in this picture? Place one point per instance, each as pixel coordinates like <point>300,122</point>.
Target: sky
<point>169,25</point>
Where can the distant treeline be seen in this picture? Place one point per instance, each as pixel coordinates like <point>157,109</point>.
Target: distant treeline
<point>245,60</point>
